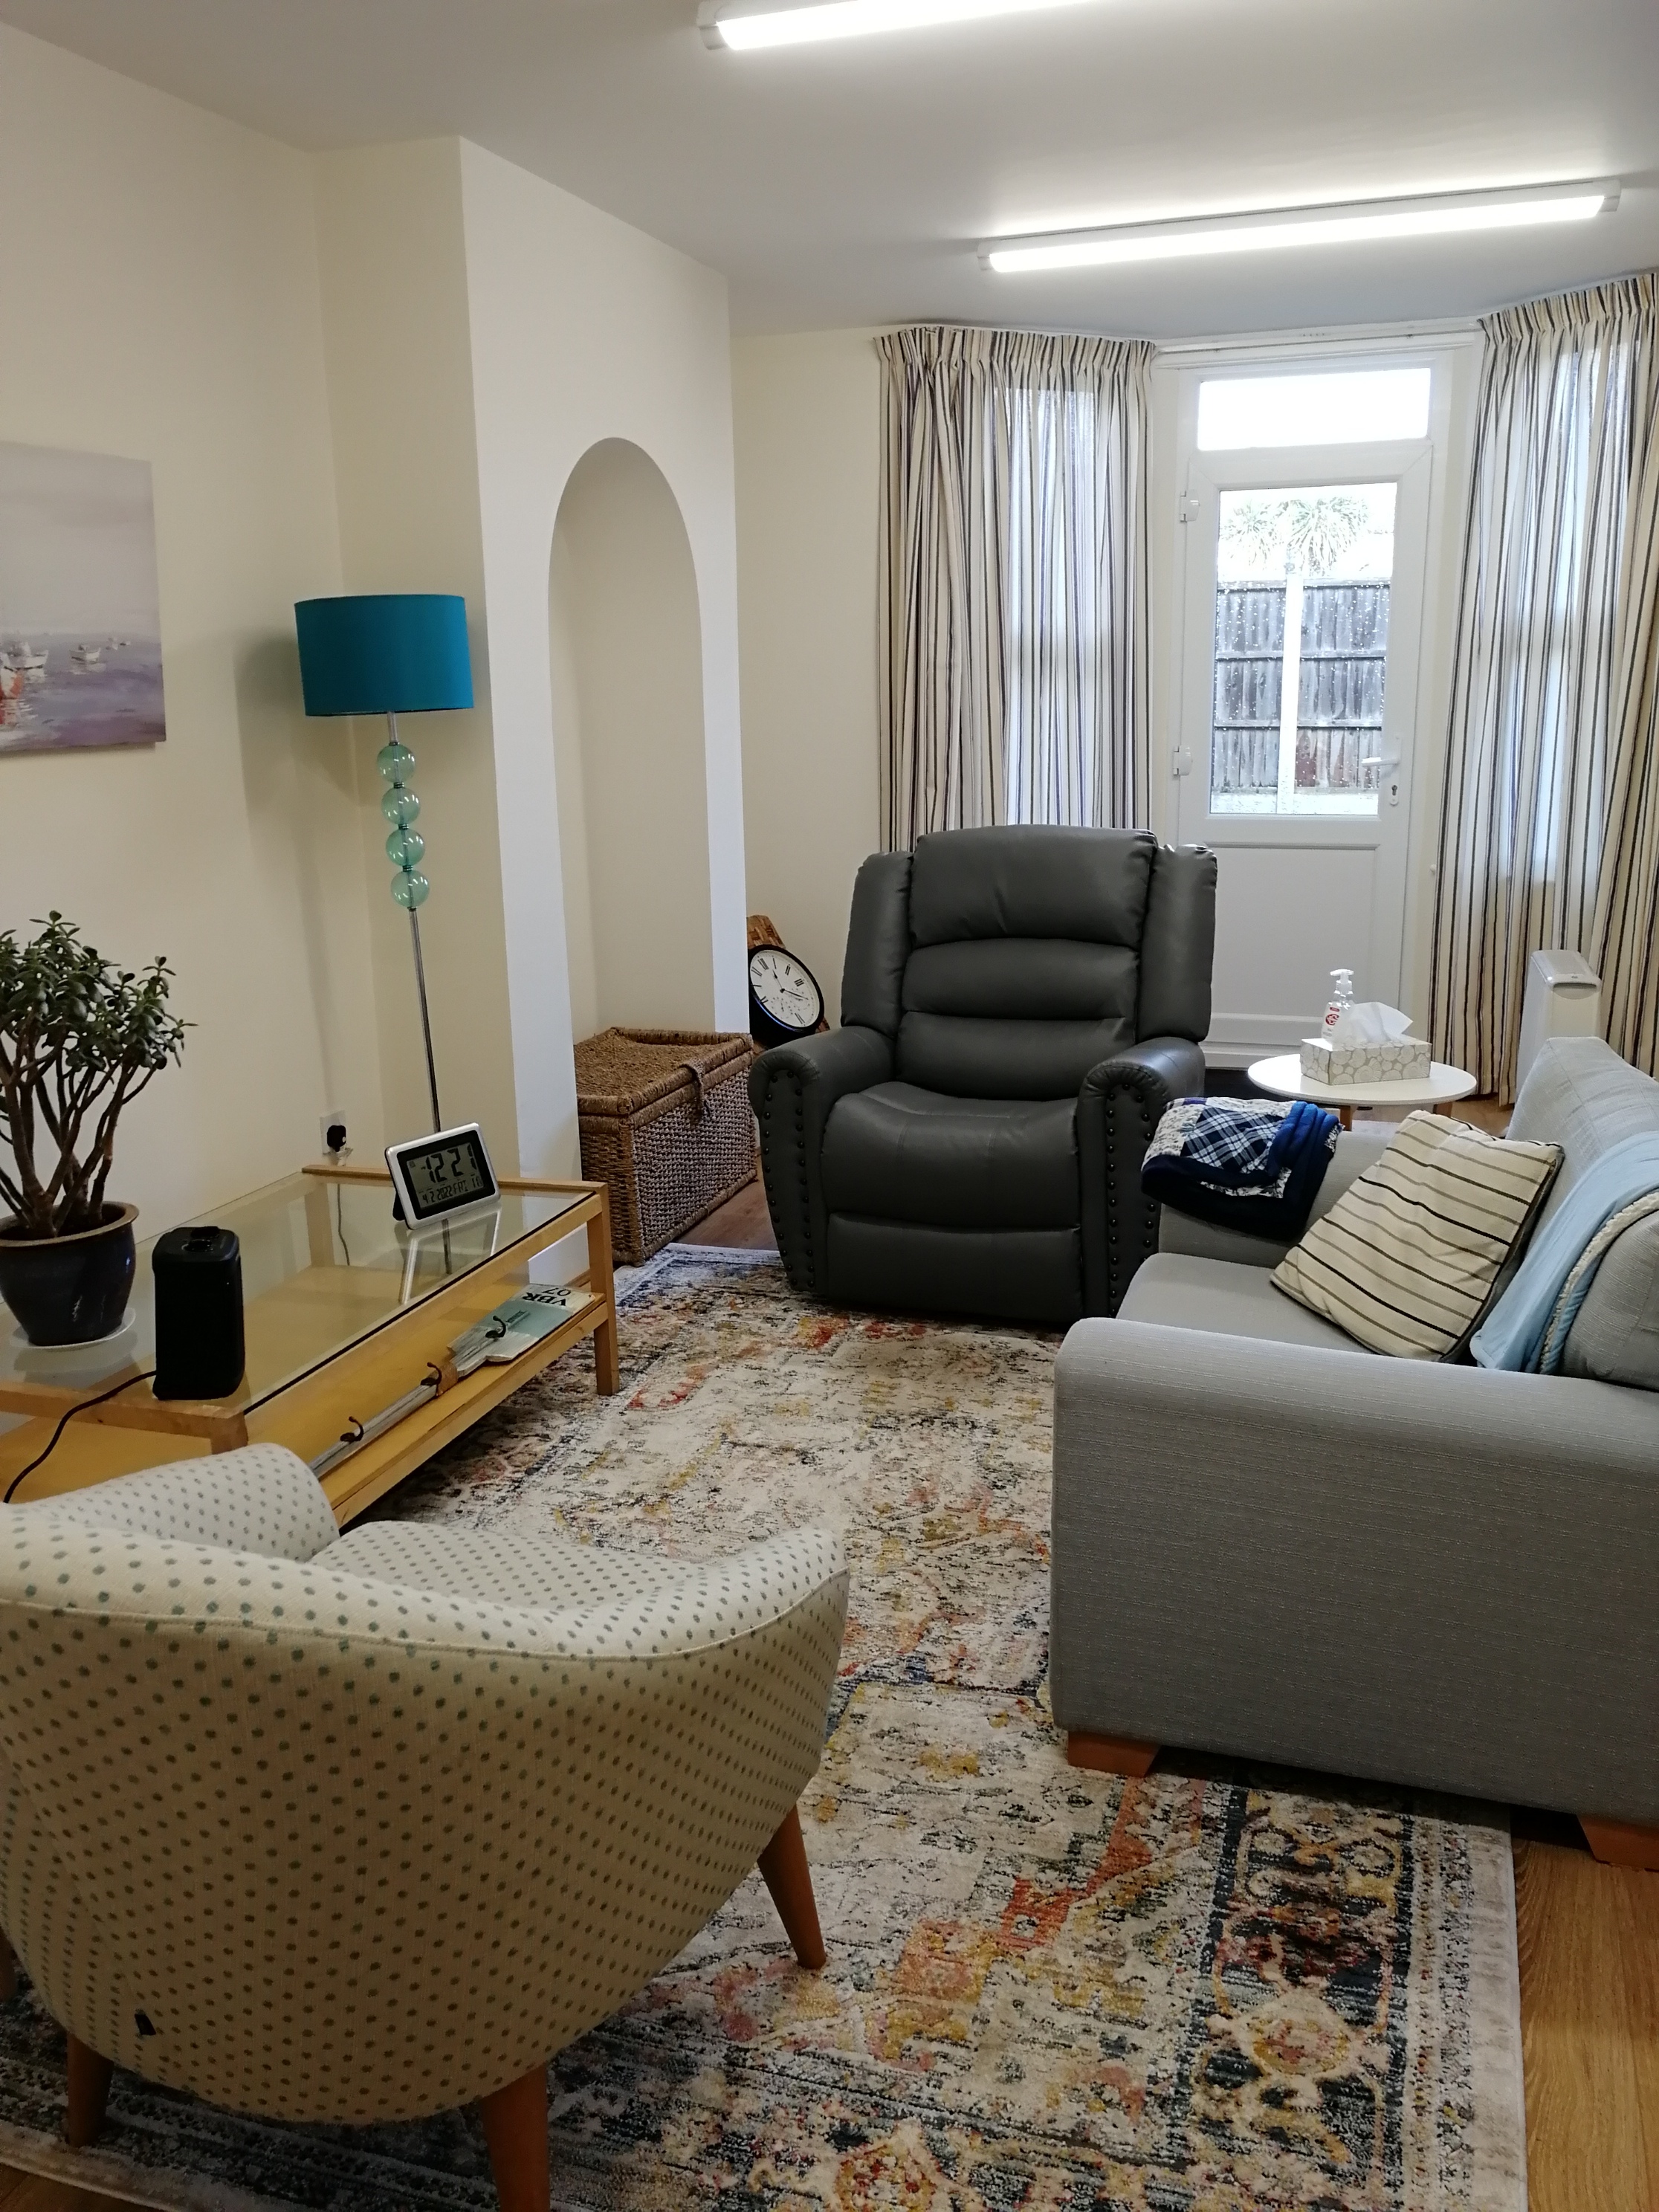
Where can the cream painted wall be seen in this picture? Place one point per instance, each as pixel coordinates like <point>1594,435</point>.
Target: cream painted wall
<point>373,370</point>
<point>584,330</point>
<point>807,416</point>
<point>633,809</point>
<point>485,330</point>
<point>394,282</point>
<point>159,268</point>
<point>562,614</point>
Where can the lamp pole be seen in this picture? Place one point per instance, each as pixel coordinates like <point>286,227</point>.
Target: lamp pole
<point>405,848</point>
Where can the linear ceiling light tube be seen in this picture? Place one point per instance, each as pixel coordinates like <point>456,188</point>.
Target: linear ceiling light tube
<point>849,19</point>
<point>1275,230</point>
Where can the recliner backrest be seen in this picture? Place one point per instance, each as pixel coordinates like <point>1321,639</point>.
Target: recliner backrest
<point>1024,964</point>
<point>1006,963</point>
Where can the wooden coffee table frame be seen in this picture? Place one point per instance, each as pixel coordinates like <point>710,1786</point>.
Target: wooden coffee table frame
<point>349,1386</point>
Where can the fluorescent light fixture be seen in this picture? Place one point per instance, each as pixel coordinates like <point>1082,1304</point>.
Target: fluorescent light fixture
<point>1277,229</point>
<point>849,19</point>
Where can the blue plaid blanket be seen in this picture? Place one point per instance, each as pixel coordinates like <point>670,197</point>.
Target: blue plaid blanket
<point>1245,1164</point>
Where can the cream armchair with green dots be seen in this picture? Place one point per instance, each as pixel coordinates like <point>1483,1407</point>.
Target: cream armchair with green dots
<point>357,1828</point>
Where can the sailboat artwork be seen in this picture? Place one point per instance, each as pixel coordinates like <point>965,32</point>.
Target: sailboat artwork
<point>80,605</point>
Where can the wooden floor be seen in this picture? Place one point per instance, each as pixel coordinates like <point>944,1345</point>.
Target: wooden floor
<point>1589,1939</point>
<point>742,1221</point>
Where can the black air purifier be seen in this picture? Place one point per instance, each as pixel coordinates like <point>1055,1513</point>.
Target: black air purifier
<point>199,1350</point>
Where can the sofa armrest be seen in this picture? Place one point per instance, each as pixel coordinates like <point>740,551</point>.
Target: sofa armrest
<point>1424,1574</point>
<point>1356,1151</point>
<point>262,1499</point>
<point>1118,1108</point>
<point>792,1089</point>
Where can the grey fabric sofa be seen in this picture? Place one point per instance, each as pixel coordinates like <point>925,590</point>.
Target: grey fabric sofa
<point>1019,1005</point>
<point>1268,1542</point>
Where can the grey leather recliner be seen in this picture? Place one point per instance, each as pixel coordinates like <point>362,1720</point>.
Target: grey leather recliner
<point>1019,1004</point>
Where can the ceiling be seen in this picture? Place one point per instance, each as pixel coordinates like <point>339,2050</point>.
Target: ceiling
<point>851,184</point>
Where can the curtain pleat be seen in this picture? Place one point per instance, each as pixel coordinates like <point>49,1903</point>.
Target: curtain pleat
<point>1014,642</point>
<point>1548,818</point>
<point>1627,903</point>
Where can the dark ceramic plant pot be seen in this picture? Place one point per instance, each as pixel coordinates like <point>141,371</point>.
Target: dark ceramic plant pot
<point>70,1290</point>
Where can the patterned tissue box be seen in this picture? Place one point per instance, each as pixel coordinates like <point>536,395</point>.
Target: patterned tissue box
<point>1404,1061</point>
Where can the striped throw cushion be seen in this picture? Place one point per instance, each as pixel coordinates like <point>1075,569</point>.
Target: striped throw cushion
<point>1409,1257</point>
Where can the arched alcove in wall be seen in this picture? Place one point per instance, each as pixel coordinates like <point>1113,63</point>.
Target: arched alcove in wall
<point>627,663</point>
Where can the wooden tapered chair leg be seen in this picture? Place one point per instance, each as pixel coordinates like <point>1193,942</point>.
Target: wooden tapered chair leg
<point>515,2128</point>
<point>787,1874</point>
<point>88,2094</point>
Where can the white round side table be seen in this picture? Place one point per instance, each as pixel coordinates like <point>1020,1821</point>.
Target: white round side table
<point>1282,1078</point>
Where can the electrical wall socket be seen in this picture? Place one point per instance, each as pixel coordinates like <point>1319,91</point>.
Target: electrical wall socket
<point>333,1120</point>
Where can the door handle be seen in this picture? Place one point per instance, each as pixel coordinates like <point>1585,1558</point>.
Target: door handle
<point>1389,764</point>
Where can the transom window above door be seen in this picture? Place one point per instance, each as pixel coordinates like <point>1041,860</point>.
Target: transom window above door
<point>1342,407</point>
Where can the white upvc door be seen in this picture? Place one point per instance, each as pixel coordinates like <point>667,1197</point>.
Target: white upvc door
<point>1297,729</point>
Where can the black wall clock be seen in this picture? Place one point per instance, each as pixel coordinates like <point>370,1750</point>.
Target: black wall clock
<point>785,1001</point>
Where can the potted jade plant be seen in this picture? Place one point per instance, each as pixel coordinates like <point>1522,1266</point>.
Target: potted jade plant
<point>79,1039</point>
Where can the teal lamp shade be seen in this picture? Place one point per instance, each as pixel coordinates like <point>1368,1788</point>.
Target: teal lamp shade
<point>384,653</point>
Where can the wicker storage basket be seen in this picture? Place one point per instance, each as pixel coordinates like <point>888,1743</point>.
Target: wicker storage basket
<point>664,1121</point>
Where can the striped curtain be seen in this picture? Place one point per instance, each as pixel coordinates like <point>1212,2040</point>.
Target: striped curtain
<point>1013,643</point>
<point>1549,830</point>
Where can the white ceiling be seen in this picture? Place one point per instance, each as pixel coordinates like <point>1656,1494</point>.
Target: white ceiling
<point>851,184</point>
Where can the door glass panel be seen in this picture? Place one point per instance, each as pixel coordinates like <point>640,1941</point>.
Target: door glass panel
<point>1303,578</point>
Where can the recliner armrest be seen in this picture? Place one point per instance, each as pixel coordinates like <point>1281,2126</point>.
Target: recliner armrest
<point>1119,1108</point>
<point>792,1089</point>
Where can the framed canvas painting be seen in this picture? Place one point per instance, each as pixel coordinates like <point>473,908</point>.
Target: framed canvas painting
<point>80,613</point>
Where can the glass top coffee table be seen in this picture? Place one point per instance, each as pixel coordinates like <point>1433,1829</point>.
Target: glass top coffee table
<point>346,1313</point>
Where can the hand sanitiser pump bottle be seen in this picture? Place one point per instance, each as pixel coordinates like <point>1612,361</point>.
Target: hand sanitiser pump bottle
<point>1342,997</point>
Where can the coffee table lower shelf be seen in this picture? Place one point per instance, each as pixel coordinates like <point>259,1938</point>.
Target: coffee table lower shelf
<point>381,1464</point>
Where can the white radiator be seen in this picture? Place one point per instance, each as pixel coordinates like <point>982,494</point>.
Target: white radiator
<point>1562,998</point>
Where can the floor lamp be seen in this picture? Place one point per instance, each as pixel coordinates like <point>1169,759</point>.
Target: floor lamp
<point>391,654</point>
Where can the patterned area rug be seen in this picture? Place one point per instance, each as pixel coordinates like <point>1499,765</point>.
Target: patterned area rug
<point>1213,1990</point>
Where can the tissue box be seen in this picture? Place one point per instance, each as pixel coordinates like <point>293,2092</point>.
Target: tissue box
<point>1406,1060</point>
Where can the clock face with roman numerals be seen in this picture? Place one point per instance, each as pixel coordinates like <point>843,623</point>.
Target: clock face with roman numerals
<point>784,990</point>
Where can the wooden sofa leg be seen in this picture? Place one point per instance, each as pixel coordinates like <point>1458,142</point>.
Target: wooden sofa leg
<point>787,1874</point>
<point>1110,1754</point>
<point>7,1970</point>
<point>1615,1845</point>
<point>515,2128</point>
<point>88,2094</point>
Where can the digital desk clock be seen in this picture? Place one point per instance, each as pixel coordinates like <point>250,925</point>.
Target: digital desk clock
<point>438,1175</point>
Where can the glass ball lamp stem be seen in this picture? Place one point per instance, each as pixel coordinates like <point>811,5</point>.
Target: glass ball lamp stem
<point>405,848</point>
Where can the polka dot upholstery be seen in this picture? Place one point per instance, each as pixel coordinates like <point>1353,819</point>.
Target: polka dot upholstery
<point>261,1498</point>
<point>467,1563</point>
<point>365,1834</point>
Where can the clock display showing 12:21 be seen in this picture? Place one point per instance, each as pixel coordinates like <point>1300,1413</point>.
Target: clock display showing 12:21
<point>442,1174</point>
<point>445,1177</point>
